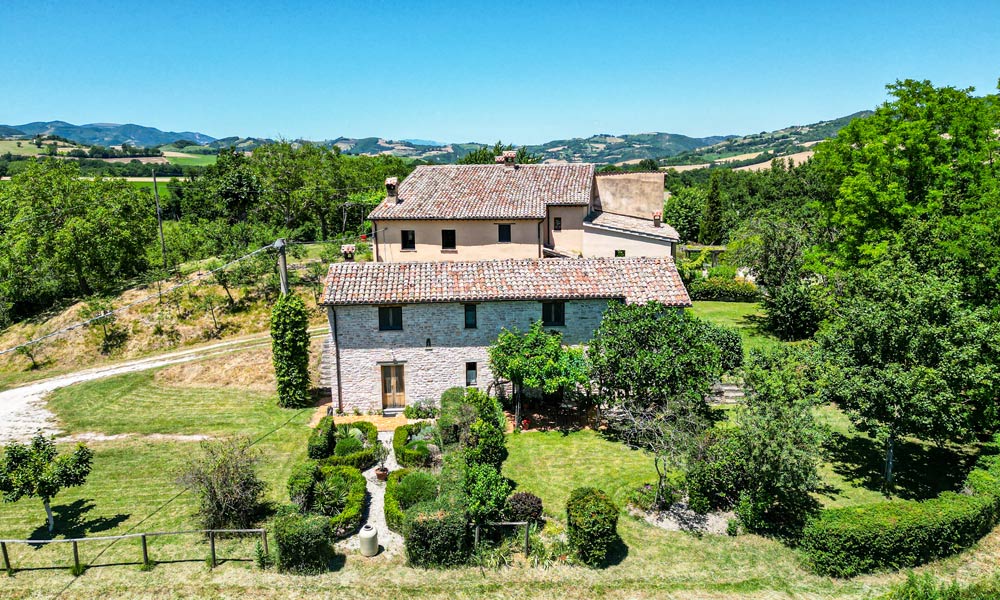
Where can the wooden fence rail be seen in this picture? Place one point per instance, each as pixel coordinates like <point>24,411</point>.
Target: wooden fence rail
<point>9,567</point>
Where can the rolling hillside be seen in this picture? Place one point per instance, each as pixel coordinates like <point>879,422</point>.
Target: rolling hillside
<point>108,134</point>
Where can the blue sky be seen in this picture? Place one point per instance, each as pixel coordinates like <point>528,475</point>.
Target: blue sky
<point>526,72</point>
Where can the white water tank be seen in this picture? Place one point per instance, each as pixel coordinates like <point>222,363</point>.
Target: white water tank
<point>369,540</point>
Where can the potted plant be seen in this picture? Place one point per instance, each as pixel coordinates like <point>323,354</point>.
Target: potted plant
<point>381,453</point>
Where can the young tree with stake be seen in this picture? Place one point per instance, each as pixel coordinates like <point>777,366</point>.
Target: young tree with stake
<point>36,470</point>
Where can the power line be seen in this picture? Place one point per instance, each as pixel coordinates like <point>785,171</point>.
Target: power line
<point>134,303</point>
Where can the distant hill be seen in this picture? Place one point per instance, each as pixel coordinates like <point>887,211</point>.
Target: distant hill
<point>8,131</point>
<point>109,134</point>
<point>761,147</point>
<point>620,149</point>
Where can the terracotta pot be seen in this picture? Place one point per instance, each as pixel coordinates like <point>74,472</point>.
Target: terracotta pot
<point>382,473</point>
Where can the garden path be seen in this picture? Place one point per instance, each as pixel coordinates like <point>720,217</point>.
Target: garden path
<point>390,541</point>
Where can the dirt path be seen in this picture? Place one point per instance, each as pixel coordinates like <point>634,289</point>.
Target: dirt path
<point>23,411</point>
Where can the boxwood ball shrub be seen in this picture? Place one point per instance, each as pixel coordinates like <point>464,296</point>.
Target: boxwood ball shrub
<point>407,455</point>
<point>322,439</point>
<point>416,487</point>
<point>347,446</point>
<point>849,541</point>
<point>302,543</point>
<point>437,535</point>
<point>591,524</point>
<point>362,459</point>
<point>394,513</point>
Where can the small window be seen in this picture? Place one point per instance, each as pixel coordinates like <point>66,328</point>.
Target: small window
<point>390,318</point>
<point>619,254</point>
<point>471,321</point>
<point>447,239</point>
<point>557,224</point>
<point>503,233</point>
<point>409,239</point>
<point>553,314</point>
<point>471,374</point>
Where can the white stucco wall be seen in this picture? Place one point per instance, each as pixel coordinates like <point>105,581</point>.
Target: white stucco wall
<point>603,243</point>
<point>427,373</point>
<point>474,240</point>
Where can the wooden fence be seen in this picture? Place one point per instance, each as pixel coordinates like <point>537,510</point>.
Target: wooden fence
<point>142,537</point>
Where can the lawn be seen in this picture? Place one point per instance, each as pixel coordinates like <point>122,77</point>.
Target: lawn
<point>161,185</point>
<point>133,488</point>
<point>193,160</point>
<point>741,316</point>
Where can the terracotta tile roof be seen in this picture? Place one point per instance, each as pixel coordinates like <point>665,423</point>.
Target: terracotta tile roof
<point>487,191</point>
<point>636,280</point>
<point>634,225</point>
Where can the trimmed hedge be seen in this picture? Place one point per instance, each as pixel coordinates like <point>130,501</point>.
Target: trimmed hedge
<point>410,457</point>
<point>303,543</point>
<point>720,289</point>
<point>845,542</point>
<point>394,517</point>
<point>349,519</point>
<point>363,459</point>
<point>591,524</point>
<point>302,484</point>
<point>323,438</point>
<point>437,535</point>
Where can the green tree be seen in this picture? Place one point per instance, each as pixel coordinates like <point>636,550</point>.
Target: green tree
<point>906,357</point>
<point>683,212</point>
<point>36,470</point>
<point>290,347</point>
<point>535,359</point>
<point>487,155</point>
<point>710,228</point>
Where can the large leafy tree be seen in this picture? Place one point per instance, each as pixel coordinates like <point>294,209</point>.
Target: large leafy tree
<point>536,359</point>
<point>36,470</point>
<point>290,347</point>
<point>61,236</point>
<point>907,357</point>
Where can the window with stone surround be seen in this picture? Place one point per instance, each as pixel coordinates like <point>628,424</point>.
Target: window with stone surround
<point>471,375</point>
<point>471,318</point>
<point>390,318</point>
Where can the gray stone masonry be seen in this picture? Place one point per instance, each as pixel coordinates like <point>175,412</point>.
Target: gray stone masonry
<point>428,370</point>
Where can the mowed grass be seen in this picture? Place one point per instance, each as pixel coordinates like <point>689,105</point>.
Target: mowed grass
<point>161,185</point>
<point>741,316</point>
<point>193,160</point>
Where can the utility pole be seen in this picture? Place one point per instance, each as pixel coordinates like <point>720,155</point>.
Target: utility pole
<point>279,245</point>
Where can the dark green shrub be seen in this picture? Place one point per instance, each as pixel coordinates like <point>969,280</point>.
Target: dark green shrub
<point>725,290</point>
<point>791,312</point>
<point>394,514</point>
<point>890,535</point>
<point>730,345</point>
<point>348,520</point>
<point>523,506</point>
<point>486,445</point>
<point>362,459</point>
<point>715,480</point>
<point>302,484</point>
<point>416,487</point>
<point>224,478</point>
<point>348,445</point>
<point>322,439</point>
<point>407,456</point>
<point>437,535</point>
<point>591,524</point>
<point>330,496</point>
<point>290,348</point>
<point>486,492</point>
<point>455,416</point>
<point>302,542</point>
<point>722,272</point>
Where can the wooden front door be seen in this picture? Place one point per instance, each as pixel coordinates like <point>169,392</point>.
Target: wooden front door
<point>393,395</point>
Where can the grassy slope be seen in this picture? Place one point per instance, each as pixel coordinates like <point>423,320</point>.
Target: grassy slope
<point>198,160</point>
<point>740,316</point>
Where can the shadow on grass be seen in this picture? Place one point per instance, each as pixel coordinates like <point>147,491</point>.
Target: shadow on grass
<point>72,522</point>
<point>617,553</point>
<point>921,471</point>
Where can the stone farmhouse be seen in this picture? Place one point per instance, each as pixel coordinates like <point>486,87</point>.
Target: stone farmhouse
<point>507,210</point>
<point>404,332</point>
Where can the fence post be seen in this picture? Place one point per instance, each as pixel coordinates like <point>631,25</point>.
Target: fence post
<point>263,535</point>
<point>145,551</point>
<point>527,530</point>
<point>476,543</point>
<point>6,559</point>
<point>76,559</point>
<point>211,543</point>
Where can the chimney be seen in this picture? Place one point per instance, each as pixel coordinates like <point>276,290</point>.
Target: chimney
<point>391,183</point>
<point>656,219</point>
<point>508,158</point>
<point>347,250</point>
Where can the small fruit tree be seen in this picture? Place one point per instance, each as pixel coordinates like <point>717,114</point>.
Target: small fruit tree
<point>36,470</point>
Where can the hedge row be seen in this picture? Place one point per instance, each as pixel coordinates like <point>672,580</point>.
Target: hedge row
<point>718,288</point>
<point>302,491</point>
<point>437,535</point>
<point>591,524</point>
<point>394,516</point>
<point>845,542</point>
<point>322,439</point>
<point>410,457</point>
<point>362,459</point>
<point>303,543</point>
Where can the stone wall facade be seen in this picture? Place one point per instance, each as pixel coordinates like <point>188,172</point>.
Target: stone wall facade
<point>433,347</point>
